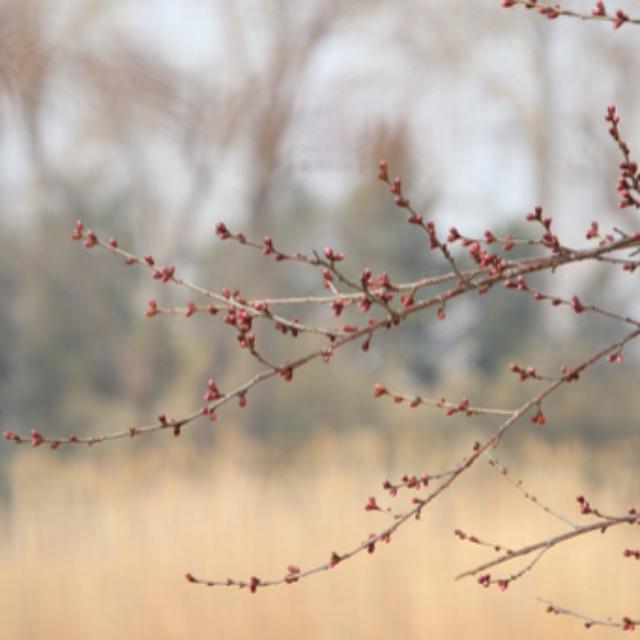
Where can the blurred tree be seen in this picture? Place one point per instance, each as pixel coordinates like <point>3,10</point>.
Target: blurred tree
<point>102,118</point>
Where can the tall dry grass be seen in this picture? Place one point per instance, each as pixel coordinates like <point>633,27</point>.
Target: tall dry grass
<point>96,545</point>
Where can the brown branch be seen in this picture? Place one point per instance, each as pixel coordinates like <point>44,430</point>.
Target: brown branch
<point>519,485</point>
<point>600,525</point>
<point>554,11</point>
<point>167,274</point>
<point>625,623</point>
<point>451,408</point>
<point>420,503</point>
<point>293,325</point>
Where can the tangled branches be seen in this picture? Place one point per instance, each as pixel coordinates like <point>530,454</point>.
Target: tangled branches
<point>376,303</point>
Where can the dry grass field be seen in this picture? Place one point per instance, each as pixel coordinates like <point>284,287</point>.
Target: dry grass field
<point>95,545</point>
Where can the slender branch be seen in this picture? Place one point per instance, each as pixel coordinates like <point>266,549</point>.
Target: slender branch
<point>294,325</point>
<point>167,274</point>
<point>625,623</point>
<point>421,503</point>
<point>600,525</point>
<point>451,408</point>
<point>555,11</point>
<point>577,305</point>
<point>518,484</point>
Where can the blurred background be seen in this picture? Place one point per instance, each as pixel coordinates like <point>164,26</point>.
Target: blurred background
<point>151,121</point>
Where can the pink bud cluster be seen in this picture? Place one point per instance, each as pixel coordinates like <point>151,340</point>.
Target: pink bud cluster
<point>585,507</point>
<point>483,258</point>
<point>485,581</point>
<point>629,179</point>
<point>406,482</point>
<point>164,274</point>
<point>528,373</point>
<point>552,12</point>
<point>620,18</point>
<point>548,239</point>
<point>538,418</point>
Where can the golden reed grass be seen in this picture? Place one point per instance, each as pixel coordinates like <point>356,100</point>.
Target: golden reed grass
<point>95,545</point>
